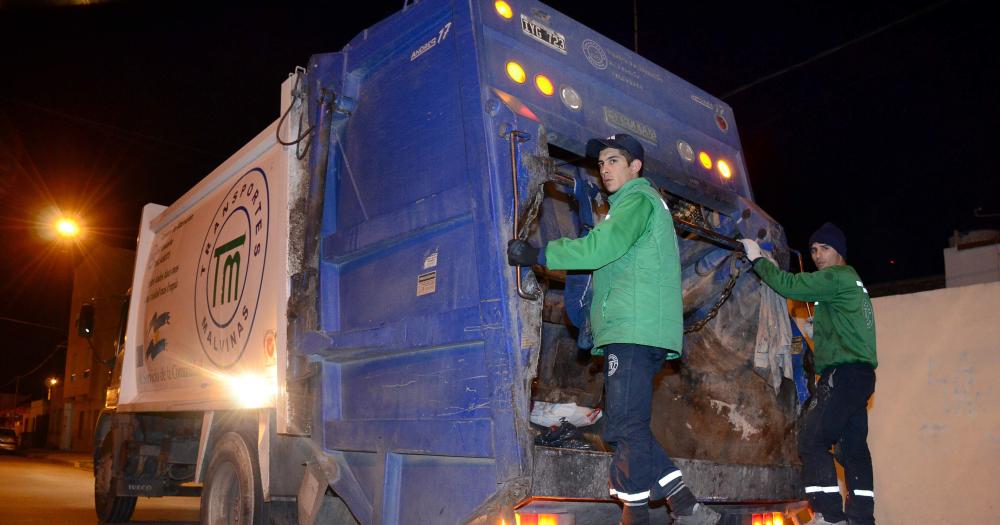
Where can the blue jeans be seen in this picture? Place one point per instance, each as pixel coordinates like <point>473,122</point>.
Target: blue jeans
<point>640,468</point>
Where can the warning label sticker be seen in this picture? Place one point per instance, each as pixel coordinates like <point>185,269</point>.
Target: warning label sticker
<point>426,283</point>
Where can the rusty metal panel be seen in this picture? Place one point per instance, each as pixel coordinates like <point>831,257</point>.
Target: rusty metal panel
<point>741,483</point>
<point>565,473</point>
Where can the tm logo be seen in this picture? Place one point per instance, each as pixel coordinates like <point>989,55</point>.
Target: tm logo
<point>231,269</point>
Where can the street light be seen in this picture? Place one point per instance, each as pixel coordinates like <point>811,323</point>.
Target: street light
<point>51,382</point>
<point>67,228</point>
<point>64,225</point>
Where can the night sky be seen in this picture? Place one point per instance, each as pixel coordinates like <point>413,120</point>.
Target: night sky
<point>880,118</point>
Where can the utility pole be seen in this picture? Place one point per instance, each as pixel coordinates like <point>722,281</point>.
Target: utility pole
<point>635,25</point>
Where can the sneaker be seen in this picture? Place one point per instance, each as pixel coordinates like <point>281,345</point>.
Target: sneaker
<point>701,515</point>
<point>818,519</point>
<point>566,435</point>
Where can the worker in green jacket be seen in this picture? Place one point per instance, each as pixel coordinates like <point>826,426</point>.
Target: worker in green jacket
<point>845,359</point>
<point>637,322</point>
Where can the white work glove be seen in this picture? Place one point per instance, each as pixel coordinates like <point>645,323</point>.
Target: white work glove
<point>751,248</point>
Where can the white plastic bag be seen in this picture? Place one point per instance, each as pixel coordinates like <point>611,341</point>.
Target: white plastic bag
<point>549,414</point>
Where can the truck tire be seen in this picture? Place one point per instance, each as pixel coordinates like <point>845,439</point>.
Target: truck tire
<point>232,493</point>
<point>110,508</point>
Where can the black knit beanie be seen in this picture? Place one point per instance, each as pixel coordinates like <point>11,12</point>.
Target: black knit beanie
<point>832,236</point>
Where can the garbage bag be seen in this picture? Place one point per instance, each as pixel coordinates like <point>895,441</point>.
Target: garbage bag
<point>549,414</point>
<point>566,435</point>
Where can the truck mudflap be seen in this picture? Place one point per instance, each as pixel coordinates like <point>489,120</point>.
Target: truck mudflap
<point>573,474</point>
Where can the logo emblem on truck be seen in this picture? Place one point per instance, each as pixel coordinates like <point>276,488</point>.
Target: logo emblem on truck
<point>231,270</point>
<point>595,54</point>
<point>155,342</point>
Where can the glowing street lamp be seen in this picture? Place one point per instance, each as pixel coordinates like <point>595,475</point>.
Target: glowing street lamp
<point>67,228</point>
<point>51,382</point>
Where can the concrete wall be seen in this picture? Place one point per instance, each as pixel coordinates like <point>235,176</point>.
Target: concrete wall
<point>972,265</point>
<point>934,419</point>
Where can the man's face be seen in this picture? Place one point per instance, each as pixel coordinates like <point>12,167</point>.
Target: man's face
<point>825,256</point>
<point>615,170</point>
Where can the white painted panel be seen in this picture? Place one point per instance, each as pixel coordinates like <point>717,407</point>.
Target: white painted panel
<point>210,291</point>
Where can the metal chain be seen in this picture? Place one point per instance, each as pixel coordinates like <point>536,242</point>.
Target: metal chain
<point>734,274</point>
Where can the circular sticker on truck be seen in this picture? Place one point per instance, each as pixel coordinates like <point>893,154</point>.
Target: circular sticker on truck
<point>231,270</point>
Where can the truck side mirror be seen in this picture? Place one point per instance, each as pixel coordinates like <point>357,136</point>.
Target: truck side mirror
<point>85,321</point>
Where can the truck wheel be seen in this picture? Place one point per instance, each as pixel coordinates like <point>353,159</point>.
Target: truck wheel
<point>232,493</point>
<point>110,508</point>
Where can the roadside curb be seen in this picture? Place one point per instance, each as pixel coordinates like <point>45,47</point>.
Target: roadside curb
<point>76,461</point>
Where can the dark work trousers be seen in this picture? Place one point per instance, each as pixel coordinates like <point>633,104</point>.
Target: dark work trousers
<point>837,417</point>
<point>640,468</point>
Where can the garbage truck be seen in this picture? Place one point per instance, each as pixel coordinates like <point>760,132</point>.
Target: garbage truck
<point>325,328</point>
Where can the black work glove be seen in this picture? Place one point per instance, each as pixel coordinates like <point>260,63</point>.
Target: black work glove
<point>520,253</point>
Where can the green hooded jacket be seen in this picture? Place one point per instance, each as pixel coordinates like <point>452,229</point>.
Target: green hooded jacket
<point>637,277</point>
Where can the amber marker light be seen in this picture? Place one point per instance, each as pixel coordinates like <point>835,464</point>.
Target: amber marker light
<point>536,519</point>
<point>705,160</point>
<point>724,169</point>
<point>544,85</point>
<point>503,9</point>
<point>516,72</point>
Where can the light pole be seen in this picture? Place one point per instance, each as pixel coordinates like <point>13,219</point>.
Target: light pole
<point>51,382</point>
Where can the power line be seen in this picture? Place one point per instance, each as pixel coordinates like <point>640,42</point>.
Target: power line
<point>45,326</point>
<point>112,129</point>
<point>832,50</point>
<point>33,370</point>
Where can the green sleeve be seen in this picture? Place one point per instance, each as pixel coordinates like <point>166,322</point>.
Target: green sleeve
<point>805,286</point>
<point>605,243</point>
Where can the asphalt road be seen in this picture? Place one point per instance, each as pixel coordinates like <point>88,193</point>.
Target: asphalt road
<point>34,491</point>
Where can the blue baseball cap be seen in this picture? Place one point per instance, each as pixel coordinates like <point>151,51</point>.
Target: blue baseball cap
<point>618,141</point>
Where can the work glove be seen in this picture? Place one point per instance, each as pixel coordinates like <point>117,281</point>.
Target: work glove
<point>751,248</point>
<point>520,253</point>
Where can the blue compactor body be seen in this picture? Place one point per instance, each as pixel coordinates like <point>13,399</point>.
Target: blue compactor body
<point>434,133</point>
<point>415,352</point>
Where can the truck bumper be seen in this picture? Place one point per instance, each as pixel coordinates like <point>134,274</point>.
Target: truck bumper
<point>573,474</point>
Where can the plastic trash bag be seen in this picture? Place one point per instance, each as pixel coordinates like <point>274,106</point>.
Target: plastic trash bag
<point>551,414</point>
<point>566,435</point>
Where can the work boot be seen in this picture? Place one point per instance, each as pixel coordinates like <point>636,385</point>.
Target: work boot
<point>818,519</point>
<point>700,515</point>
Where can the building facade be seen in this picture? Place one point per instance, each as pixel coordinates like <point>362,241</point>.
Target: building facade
<point>102,280</point>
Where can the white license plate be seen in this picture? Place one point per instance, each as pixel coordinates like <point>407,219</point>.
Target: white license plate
<point>543,34</point>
